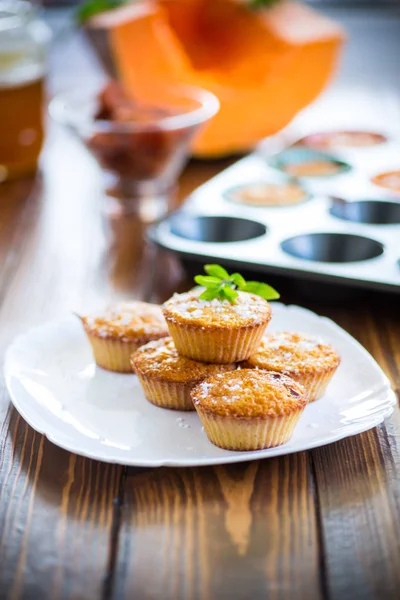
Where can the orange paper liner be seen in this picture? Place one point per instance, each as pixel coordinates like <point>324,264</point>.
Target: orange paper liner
<point>113,355</point>
<point>247,434</point>
<point>218,345</point>
<point>167,394</point>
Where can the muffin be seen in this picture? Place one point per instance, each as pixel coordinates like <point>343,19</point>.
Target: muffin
<point>301,357</point>
<point>313,168</point>
<point>249,409</point>
<point>117,332</point>
<point>342,139</point>
<point>263,194</point>
<point>216,331</point>
<point>167,378</point>
<point>389,180</point>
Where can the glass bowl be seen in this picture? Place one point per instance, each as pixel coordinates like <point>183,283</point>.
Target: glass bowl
<point>143,146</point>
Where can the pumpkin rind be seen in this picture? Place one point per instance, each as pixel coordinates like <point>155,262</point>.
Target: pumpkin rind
<point>264,66</point>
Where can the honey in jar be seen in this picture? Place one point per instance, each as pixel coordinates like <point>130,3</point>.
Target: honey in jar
<point>23,40</point>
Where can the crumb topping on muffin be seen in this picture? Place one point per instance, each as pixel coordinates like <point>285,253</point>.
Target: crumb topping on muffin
<point>345,139</point>
<point>293,352</point>
<point>268,194</point>
<point>128,321</point>
<point>390,180</point>
<point>160,360</point>
<point>312,168</point>
<point>248,393</point>
<point>189,309</point>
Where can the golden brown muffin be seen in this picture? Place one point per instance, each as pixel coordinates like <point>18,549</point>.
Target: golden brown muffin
<point>313,168</point>
<point>249,409</point>
<point>343,139</point>
<point>301,357</point>
<point>167,378</point>
<point>216,331</point>
<point>117,332</point>
<point>268,194</point>
<point>389,180</point>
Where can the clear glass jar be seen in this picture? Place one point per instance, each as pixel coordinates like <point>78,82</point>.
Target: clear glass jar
<point>23,43</point>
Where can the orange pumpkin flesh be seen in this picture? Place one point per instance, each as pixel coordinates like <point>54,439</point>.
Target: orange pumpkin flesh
<point>264,66</point>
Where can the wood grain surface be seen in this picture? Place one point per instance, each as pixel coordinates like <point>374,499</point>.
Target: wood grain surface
<point>318,525</point>
<point>238,531</point>
<point>56,509</point>
<point>323,524</point>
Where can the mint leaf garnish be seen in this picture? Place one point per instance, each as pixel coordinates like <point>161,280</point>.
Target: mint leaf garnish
<point>209,294</point>
<point>260,289</point>
<point>256,4</point>
<point>90,8</point>
<point>207,281</point>
<point>238,280</point>
<point>229,293</point>
<point>220,284</point>
<point>216,271</point>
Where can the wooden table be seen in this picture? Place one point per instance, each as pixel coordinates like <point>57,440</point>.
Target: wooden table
<point>320,524</point>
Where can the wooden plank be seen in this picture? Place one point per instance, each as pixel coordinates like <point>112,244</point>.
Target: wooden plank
<point>358,485</point>
<point>59,512</point>
<point>13,202</point>
<point>55,519</point>
<point>59,253</point>
<point>153,501</point>
<point>239,531</point>
<point>56,509</point>
<point>360,514</point>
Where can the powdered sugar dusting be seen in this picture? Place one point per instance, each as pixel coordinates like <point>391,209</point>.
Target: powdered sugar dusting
<point>128,320</point>
<point>284,350</point>
<point>249,393</point>
<point>160,359</point>
<point>189,308</point>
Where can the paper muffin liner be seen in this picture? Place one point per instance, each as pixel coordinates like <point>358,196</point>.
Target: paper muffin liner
<point>315,384</point>
<point>246,434</point>
<point>112,354</point>
<point>219,345</point>
<point>167,394</point>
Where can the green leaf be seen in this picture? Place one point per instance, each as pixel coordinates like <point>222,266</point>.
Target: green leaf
<point>220,284</point>
<point>216,271</point>
<point>207,281</point>
<point>209,294</point>
<point>261,289</point>
<point>238,280</point>
<point>229,293</point>
<point>90,8</point>
<point>256,4</point>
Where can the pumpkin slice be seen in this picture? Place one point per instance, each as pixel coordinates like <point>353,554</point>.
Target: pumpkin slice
<point>263,65</point>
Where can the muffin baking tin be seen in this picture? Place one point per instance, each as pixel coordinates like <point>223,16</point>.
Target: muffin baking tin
<point>347,230</point>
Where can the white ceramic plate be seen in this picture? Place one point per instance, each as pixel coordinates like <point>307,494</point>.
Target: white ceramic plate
<point>57,388</point>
